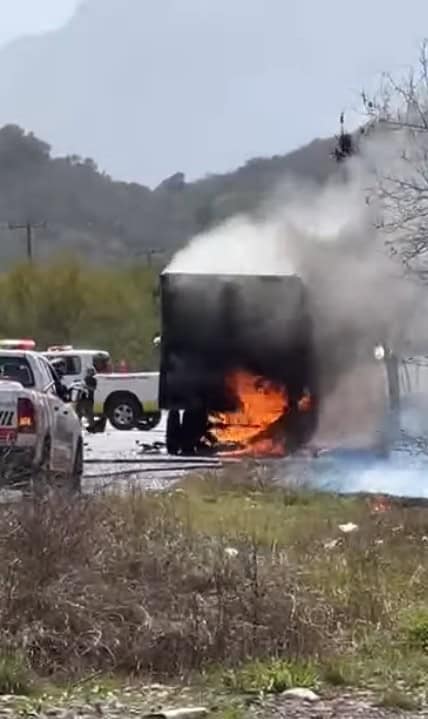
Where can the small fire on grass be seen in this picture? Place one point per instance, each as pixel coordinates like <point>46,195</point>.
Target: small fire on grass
<point>256,428</point>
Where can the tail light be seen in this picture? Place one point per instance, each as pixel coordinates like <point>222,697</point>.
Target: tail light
<point>26,416</point>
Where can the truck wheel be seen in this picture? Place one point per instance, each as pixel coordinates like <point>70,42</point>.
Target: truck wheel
<point>149,421</point>
<point>42,476</point>
<point>190,432</point>
<point>194,428</point>
<point>173,432</point>
<point>123,411</point>
<point>77,473</point>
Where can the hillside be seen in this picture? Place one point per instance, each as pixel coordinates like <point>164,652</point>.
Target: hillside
<point>104,220</point>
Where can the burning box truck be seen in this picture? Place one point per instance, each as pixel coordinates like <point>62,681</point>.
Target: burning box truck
<point>238,370</point>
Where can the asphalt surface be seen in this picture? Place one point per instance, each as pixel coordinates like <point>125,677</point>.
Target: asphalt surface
<point>117,460</point>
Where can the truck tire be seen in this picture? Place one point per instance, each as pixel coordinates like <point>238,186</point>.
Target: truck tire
<point>123,411</point>
<point>173,432</point>
<point>149,421</point>
<point>77,473</point>
<point>192,430</point>
<point>42,476</point>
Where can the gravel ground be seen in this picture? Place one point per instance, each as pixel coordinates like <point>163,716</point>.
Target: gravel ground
<point>143,701</point>
<point>345,706</point>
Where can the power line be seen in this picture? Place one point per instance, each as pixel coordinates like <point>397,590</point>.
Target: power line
<point>28,227</point>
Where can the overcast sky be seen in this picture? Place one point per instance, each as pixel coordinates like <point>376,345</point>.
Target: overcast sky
<point>219,81</point>
<point>22,17</point>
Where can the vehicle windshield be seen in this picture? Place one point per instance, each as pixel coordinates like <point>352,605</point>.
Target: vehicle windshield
<point>72,363</point>
<point>16,369</point>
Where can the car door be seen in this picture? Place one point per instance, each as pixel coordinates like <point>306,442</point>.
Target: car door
<point>73,366</point>
<point>60,421</point>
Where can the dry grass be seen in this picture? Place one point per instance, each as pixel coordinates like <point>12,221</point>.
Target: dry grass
<point>224,571</point>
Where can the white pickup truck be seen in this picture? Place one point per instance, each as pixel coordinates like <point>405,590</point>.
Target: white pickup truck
<point>127,400</point>
<point>40,434</point>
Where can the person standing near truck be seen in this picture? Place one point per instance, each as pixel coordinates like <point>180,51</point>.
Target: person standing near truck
<point>58,371</point>
<point>85,405</point>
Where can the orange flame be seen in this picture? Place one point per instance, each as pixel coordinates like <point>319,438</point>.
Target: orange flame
<point>261,404</point>
<point>380,505</point>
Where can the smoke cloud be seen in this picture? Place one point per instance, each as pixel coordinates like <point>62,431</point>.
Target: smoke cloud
<point>327,236</point>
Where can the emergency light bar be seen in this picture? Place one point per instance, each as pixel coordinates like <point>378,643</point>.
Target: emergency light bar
<point>18,344</point>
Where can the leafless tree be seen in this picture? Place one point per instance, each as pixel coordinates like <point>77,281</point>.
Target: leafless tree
<point>397,142</point>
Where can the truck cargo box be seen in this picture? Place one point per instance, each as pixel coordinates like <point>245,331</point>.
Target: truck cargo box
<point>214,325</point>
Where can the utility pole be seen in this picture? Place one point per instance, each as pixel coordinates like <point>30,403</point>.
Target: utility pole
<point>28,227</point>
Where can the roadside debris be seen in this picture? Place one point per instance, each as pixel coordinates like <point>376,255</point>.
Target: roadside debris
<point>185,713</point>
<point>306,695</point>
<point>231,552</point>
<point>348,527</point>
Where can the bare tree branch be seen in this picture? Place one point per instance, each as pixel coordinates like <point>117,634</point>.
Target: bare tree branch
<point>398,113</point>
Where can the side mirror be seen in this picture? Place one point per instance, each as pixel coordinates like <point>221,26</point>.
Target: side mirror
<point>379,352</point>
<point>156,340</point>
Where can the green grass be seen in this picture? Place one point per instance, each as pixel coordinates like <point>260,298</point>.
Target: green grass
<point>15,675</point>
<point>270,677</point>
<point>415,628</point>
<point>270,515</point>
<point>230,712</point>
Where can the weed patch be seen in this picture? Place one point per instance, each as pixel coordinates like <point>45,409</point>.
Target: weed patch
<point>271,677</point>
<point>220,571</point>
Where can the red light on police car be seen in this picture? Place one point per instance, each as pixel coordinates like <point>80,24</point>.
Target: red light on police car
<point>28,345</point>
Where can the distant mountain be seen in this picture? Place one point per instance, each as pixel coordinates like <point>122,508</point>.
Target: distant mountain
<point>105,220</point>
<point>151,86</point>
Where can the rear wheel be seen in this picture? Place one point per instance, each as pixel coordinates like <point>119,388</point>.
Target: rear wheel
<point>123,412</point>
<point>43,472</point>
<point>173,432</point>
<point>77,473</point>
<point>42,476</point>
<point>193,429</point>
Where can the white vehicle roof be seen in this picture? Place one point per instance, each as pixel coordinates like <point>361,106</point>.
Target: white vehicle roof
<point>18,353</point>
<point>75,351</point>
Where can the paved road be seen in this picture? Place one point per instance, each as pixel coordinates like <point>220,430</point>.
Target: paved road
<point>116,459</point>
<point>120,460</point>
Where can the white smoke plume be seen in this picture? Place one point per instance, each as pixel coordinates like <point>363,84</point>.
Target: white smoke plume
<point>327,236</point>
